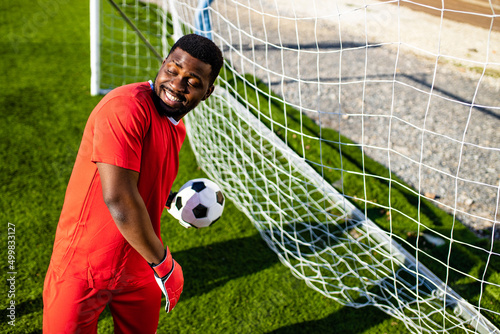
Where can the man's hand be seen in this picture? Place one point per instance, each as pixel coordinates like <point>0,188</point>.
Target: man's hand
<point>168,275</point>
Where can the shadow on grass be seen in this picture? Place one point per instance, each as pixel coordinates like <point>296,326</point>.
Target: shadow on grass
<point>346,320</point>
<point>24,314</point>
<point>206,268</point>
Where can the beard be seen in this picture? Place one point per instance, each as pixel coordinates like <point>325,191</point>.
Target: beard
<point>165,110</point>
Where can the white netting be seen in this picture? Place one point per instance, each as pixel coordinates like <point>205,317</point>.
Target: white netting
<point>360,137</point>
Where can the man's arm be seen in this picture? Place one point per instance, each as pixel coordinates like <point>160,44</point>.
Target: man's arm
<point>121,195</point>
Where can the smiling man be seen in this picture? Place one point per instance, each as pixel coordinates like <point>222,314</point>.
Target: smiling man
<point>107,248</point>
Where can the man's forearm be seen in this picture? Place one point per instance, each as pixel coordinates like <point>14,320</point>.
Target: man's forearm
<point>132,220</point>
<point>122,197</point>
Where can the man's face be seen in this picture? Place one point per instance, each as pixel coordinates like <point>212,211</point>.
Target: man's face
<point>181,83</point>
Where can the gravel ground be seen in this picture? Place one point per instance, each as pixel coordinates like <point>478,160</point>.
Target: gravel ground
<point>410,109</point>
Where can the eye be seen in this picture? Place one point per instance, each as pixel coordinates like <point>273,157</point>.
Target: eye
<point>193,83</point>
<point>171,70</point>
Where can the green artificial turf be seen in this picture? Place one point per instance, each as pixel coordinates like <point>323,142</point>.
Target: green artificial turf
<point>233,282</point>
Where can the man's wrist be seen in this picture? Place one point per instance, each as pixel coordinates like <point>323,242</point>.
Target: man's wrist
<point>152,264</point>
<point>165,267</point>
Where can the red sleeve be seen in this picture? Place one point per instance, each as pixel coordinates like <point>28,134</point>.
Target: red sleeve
<point>119,130</point>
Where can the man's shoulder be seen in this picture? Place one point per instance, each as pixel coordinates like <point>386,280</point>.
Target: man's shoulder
<point>137,90</point>
<point>131,96</point>
<point>128,102</point>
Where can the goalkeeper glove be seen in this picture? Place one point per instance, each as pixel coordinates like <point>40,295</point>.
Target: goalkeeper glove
<point>168,275</point>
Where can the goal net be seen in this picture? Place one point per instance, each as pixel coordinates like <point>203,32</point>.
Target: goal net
<point>360,137</point>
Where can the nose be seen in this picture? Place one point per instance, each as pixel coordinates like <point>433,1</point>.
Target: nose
<point>178,84</point>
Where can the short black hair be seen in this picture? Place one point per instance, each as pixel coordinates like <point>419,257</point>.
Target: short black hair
<point>203,49</point>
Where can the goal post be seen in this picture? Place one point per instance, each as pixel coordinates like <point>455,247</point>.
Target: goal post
<point>365,153</point>
<point>95,51</point>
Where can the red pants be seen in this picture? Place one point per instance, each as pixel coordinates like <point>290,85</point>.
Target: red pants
<point>70,306</point>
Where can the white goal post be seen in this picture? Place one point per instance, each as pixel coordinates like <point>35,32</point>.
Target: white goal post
<point>360,138</point>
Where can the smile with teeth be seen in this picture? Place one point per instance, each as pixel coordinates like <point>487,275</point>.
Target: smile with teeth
<point>171,97</point>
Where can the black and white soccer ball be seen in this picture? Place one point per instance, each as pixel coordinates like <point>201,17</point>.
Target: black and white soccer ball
<point>198,203</point>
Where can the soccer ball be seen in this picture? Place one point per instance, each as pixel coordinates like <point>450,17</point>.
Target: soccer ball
<point>199,203</point>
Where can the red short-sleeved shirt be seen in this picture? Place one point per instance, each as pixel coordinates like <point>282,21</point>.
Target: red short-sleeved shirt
<point>125,130</point>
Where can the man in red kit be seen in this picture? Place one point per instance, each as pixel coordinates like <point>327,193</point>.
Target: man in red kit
<point>107,248</point>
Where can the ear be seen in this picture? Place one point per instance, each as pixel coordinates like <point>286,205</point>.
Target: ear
<point>209,92</point>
